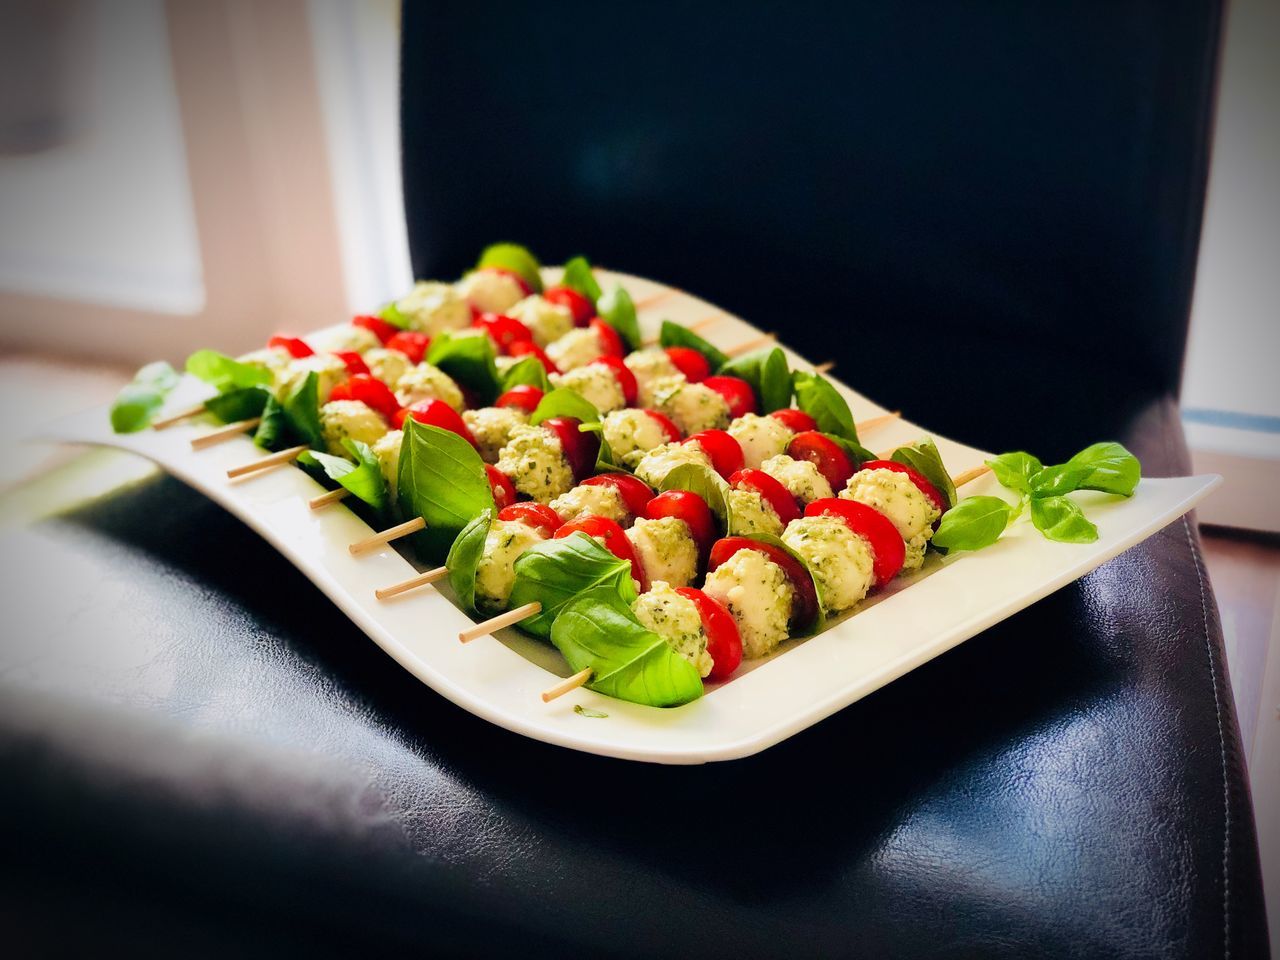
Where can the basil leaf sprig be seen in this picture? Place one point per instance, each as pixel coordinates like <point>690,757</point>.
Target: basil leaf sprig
<point>238,404</point>
<point>293,420</point>
<point>707,484</point>
<point>819,399</point>
<point>470,359</point>
<point>578,276</point>
<point>617,310</point>
<point>361,475</point>
<point>526,371</point>
<point>675,335</point>
<point>768,373</point>
<point>137,402</point>
<point>442,480</point>
<point>225,373</point>
<point>555,571</point>
<point>517,259</point>
<point>564,402</point>
<point>925,458</point>
<point>464,559</point>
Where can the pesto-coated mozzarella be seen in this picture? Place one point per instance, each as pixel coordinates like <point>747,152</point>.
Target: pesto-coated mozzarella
<point>490,291</point>
<point>692,406</point>
<point>658,462</point>
<point>547,321</point>
<point>750,513</point>
<point>343,419</point>
<point>648,366</point>
<point>894,495</point>
<point>839,560</point>
<point>760,438</point>
<point>387,365</point>
<point>596,384</point>
<point>800,477</point>
<point>575,349</point>
<point>592,500</point>
<point>346,339</point>
<point>427,382</point>
<point>434,307</point>
<point>535,462</point>
<point>495,573</point>
<point>271,359</point>
<point>491,427</point>
<point>387,450</point>
<point>665,549</point>
<point>676,620</point>
<point>329,370</point>
<point>631,434</point>
<point>758,596</point>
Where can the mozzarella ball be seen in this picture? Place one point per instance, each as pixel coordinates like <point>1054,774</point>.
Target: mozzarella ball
<point>387,450</point>
<point>491,427</point>
<point>893,494</point>
<point>490,291</point>
<point>547,321</point>
<point>648,366</point>
<point>760,438</point>
<point>692,406</point>
<point>343,419</point>
<point>426,382</point>
<point>575,349</point>
<point>495,573</point>
<point>433,307</point>
<point>271,359</point>
<point>596,384</point>
<point>658,462</point>
<point>387,365</point>
<point>592,500</point>
<point>800,477</point>
<point>676,620</point>
<point>665,549</point>
<point>751,513</point>
<point>346,339</point>
<point>631,434</point>
<point>535,462</point>
<point>839,560</point>
<point>503,363</point>
<point>329,370</point>
<point>758,596</point>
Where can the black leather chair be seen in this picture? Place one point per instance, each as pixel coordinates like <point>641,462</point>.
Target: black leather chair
<point>988,215</point>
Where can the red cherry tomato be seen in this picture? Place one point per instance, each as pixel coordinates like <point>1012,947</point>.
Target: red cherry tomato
<point>672,431</point>
<point>796,420</point>
<point>525,397</point>
<point>887,547</point>
<point>527,348</point>
<point>383,330</point>
<point>355,363</point>
<point>581,447</point>
<point>435,413</point>
<point>915,476</point>
<point>724,643</point>
<point>503,330</point>
<point>805,609</point>
<point>692,509</point>
<point>635,492</point>
<point>626,379</point>
<point>524,285</point>
<point>537,515</point>
<point>770,490</point>
<point>370,391</point>
<point>504,491</point>
<point>581,308</point>
<point>737,394</point>
<point>610,341</point>
<point>614,539</point>
<point>690,362</point>
<point>824,453</point>
<point>292,345</point>
<point>411,343</point>
<point>724,451</point>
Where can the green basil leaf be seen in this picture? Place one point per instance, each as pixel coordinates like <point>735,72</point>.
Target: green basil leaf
<point>240,404</point>
<point>442,480</point>
<point>517,259</point>
<point>767,372</point>
<point>707,484</point>
<point>464,558</point>
<point>616,309</point>
<point>582,711</point>
<point>137,402</point>
<point>1112,468</point>
<point>392,315</point>
<point>674,335</point>
<point>563,402</point>
<point>225,373</point>
<point>527,371</point>
<point>302,413</point>
<point>366,482</point>
<point>819,399</point>
<point>273,431</point>
<point>606,462</point>
<point>1015,470</point>
<point>579,276</point>
<point>925,458</point>
<point>555,571</point>
<point>469,359</point>
<point>1061,519</point>
<point>855,451</point>
<point>973,523</point>
<point>597,630</point>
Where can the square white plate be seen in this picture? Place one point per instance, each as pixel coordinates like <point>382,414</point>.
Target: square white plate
<point>767,701</point>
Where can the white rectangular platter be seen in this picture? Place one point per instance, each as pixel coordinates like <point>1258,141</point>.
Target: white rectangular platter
<point>768,700</point>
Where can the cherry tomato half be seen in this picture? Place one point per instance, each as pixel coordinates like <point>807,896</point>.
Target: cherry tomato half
<point>581,308</point>
<point>805,609</point>
<point>520,281</point>
<point>435,413</point>
<point>724,643</point>
<point>634,491</point>
<point>626,379</point>
<point>503,330</point>
<point>370,391</point>
<point>887,548</point>
<point>771,491</point>
<point>525,397</point>
<point>527,348</point>
<point>537,515</point>
<point>825,454</point>
<point>355,363</point>
<point>796,420</point>
<point>690,362</point>
<point>581,447</point>
<point>504,491</point>
<point>610,341</point>
<point>614,539</point>
<point>411,343</point>
<point>724,452</point>
<point>737,394</point>
<point>692,509</point>
<point>915,476</point>
<point>292,345</point>
<point>380,328</point>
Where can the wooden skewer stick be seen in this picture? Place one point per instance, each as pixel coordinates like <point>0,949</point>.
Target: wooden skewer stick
<point>494,624</point>
<point>970,475</point>
<point>653,298</point>
<point>225,433</point>
<point>566,685</point>
<point>695,326</point>
<point>826,367</point>
<point>178,417</point>
<point>874,423</point>
<point>753,344</point>
<point>324,499</point>
<point>404,586</point>
<point>267,462</point>
<point>387,535</point>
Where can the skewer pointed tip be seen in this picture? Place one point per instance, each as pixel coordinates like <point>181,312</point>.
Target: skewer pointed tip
<point>566,685</point>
